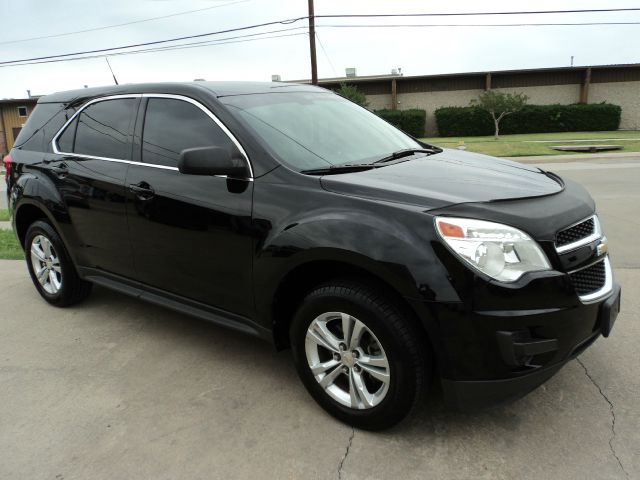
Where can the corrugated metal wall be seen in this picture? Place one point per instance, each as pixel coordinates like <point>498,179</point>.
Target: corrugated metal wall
<point>536,79</point>
<point>604,75</point>
<point>507,79</point>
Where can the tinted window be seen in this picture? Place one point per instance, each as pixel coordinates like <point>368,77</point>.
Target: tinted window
<point>103,129</point>
<point>171,126</point>
<point>65,141</point>
<point>43,123</point>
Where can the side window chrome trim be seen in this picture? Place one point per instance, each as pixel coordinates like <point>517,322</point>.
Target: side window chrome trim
<point>210,114</point>
<point>54,141</point>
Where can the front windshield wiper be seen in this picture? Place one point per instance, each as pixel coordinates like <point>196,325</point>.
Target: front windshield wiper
<point>408,152</point>
<point>342,168</point>
<point>358,167</point>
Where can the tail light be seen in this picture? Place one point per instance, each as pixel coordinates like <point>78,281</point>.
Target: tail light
<point>7,167</point>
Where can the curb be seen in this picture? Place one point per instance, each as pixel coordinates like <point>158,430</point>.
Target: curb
<point>627,156</point>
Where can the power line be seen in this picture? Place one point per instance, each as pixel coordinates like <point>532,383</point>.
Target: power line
<point>157,42</point>
<point>471,14</point>
<point>105,27</point>
<point>402,25</point>
<point>158,49</point>
<point>326,55</point>
<point>296,19</point>
<point>228,40</point>
<point>75,32</point>
<point>166,47</point>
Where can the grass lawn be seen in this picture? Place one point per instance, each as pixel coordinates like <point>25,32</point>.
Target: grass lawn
<point>9,246</point>
<point>540,143</point>
<point>4,215</point>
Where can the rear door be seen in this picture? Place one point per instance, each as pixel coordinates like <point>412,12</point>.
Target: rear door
<point>92,156</point>
<point>190,234</point>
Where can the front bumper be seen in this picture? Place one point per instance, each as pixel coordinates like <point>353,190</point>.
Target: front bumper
<point>530,370</point>
<point>487,357</point>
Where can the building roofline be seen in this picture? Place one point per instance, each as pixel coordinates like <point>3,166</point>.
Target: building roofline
<point>373,78</point>
<point>19,100</point>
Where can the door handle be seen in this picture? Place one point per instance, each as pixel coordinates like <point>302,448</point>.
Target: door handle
<point>142,190</point>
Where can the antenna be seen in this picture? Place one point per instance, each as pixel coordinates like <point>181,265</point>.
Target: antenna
<point>114,75</point>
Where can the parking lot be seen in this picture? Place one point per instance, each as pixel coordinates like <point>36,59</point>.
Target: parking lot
<point>115,388</point>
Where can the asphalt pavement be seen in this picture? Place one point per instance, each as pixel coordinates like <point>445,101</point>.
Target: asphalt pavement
<point>116,388</point>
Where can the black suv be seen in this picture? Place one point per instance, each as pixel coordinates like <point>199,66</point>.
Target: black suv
<point>292,214</point>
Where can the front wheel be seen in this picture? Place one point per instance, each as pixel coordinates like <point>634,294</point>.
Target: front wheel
<point>358,354</point>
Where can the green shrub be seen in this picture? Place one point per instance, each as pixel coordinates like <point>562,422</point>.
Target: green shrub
<point>351,92</point>
<point>579,117</point>
<point>463,122</point>
<point>411,121</point>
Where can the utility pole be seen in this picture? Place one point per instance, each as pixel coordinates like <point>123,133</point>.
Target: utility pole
<point>312,44</point>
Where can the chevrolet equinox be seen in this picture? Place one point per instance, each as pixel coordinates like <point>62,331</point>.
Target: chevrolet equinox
<point>289,213</point>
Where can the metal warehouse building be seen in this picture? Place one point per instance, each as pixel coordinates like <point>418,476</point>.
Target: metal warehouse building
<point>617,84</point>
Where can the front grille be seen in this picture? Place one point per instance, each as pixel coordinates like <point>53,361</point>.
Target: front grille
<point>590,279</point>
<point>575,233</point>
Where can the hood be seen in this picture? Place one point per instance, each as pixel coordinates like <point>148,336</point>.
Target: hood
<point>446,178</point>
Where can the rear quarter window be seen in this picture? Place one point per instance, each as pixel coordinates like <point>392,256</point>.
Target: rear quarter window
<point>42,125</point>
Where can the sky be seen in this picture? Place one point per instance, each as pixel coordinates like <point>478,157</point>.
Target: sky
<point>372,51</point>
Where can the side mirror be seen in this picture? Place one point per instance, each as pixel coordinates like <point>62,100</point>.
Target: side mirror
<point>212,161</point>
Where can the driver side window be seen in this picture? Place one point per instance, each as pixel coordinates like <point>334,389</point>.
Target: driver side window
<point>173,125</point>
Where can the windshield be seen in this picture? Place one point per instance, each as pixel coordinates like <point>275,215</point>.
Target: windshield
<point>316,130</point>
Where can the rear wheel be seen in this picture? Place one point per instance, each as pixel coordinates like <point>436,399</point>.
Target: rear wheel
<point>50,267</point>
<point>358,354</point>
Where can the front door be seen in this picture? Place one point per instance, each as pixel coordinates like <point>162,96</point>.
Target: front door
<point>190,234</point>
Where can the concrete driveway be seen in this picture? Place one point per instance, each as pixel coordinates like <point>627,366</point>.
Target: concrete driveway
<point>118,389</point>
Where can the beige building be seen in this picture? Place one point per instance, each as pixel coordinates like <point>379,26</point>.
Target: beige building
<point>13,115</point>
<point>617,84</point>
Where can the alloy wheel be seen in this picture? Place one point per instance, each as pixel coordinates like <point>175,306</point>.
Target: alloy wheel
<point>347,360</point>
<point>46,264</point>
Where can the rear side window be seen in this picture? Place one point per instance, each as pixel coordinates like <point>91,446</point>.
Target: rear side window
<point>103,129</point>
<point>43,123</point>
<point>171,126</point>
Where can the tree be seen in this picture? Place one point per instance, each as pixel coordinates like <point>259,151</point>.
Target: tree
<point>351,92</point>
<point>499,105</point>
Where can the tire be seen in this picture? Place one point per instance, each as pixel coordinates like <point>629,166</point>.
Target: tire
<point>388,333</point>
<point>46,255</point>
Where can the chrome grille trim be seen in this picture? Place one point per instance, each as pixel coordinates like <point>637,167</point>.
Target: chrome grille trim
<point>606,288</point>
<point>597,233</point>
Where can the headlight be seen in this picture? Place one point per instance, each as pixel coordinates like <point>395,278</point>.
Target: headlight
<point>502,252</point>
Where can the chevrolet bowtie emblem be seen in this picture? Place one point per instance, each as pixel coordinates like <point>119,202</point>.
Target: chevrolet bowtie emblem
<point>603,247</point>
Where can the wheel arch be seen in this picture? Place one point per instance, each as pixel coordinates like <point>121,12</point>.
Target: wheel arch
<point>27,213</point>
<point>29,210</point>
<point>300,280</point>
